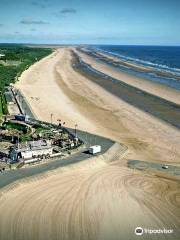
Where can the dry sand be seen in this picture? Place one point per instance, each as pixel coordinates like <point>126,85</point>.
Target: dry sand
<point>98,198</point>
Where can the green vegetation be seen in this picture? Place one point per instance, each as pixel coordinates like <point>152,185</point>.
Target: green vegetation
<point>25,56</point>
<point>27,136</point>
<point>1,110</point>
<point>40,129</point>
<point>17,126</point>
<point>25,132</point>
<point>3,105</point>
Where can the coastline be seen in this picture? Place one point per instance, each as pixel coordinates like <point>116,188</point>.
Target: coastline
<point>83,102</point>
<point>152,87</point>
<point>154,105</point>
<point>113,59</point>
<point>93,199</point>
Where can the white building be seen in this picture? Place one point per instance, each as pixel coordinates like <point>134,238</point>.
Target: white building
<point>34,149</point>
<point>2,55</point>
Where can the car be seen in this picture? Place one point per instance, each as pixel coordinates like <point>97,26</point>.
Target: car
<point>165,166</point>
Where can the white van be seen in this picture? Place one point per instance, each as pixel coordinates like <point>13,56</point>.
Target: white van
<point>95,149</point>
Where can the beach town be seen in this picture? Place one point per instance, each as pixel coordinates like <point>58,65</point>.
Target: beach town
<point>89,120</point>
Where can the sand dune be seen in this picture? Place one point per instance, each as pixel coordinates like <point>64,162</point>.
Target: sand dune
<point>99,198</point>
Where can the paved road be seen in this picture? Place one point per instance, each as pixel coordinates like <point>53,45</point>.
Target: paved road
<point>8,177</point>
<point>141,165</point>
<point>23,105</point>
<point>90,139</point>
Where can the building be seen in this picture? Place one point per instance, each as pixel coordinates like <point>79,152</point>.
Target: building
<point>21,117</point>
<point>34,149</point>
<point>2,55</point>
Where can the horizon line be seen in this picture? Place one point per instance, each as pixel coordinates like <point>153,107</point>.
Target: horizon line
<point>106,44</point>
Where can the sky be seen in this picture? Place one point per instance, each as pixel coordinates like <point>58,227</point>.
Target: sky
<point>122,22</point>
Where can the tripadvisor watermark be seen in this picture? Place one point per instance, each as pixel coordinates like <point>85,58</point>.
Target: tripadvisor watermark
<point>140,231</point>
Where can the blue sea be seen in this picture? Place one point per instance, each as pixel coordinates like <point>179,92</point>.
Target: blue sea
<point>162,58</point>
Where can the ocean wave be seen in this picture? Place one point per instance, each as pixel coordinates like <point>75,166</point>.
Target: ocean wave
<point>161,67</point>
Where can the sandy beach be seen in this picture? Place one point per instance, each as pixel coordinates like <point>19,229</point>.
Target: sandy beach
<point>146,85</point>
<point>101,198</point>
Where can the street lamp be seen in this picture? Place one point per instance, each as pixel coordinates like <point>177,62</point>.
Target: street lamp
<point>59,122</point>
<point>75,130</point>
<point>51,117</point>
<point>25,110</point>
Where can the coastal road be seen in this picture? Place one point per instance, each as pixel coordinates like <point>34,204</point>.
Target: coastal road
<point>100,198</point>
<point>23,104</point>
<point>9,177</point>
<point>96,199</point>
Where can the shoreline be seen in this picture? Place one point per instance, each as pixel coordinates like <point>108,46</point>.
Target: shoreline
<point>142,83</point>
<point>115,60</point>
<point>158,107</point>
<point>86,103</point>
<point>93,199</point>
<point>154,87</point>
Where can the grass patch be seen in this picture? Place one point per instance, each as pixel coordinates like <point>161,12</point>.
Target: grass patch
<point>1,110</point>
<point>16,59</point>
<point>3,105</point>
<point>17,126</point>
<point>26,134</point>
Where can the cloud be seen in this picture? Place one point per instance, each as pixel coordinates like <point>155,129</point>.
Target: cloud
<point>65,12</point>
<point>35,3</point>
<point>68,11</point>
<point>1,25</point>
<point>38,4</point>
<point>43,4</point>
<point>36,22</point>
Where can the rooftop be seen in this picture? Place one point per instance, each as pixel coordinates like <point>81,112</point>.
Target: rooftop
<point>33,145</point>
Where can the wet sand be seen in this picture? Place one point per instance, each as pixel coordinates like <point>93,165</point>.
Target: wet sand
<point>100,198</point>
<point>158,107</point>
<point>117,61</point>
<point>106,64</point>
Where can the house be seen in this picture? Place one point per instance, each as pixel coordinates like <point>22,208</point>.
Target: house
<point>2,55</point>
<point>34,149</point>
